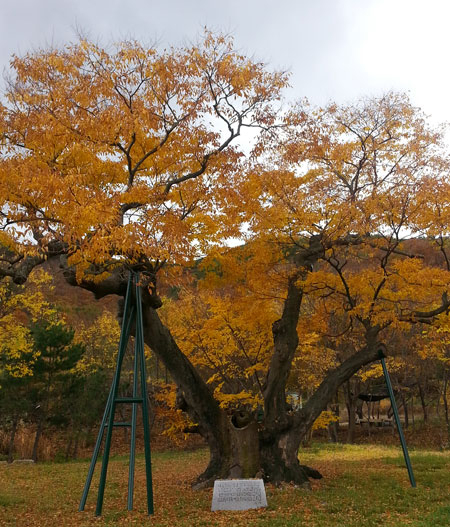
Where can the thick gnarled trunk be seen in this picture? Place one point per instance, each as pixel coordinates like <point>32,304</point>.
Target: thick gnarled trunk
<point>250,450</point>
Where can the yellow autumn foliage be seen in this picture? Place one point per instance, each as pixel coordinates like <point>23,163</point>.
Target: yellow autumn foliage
<point>19,307</point>
<point>101,341</point>
<point>324,419</point>
<point>125,153</point>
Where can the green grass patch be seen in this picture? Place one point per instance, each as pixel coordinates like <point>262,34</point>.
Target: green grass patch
<point>362,486</point>
<point>7,500</point>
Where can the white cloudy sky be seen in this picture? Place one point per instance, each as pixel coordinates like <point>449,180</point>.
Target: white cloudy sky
<point>335,49</point>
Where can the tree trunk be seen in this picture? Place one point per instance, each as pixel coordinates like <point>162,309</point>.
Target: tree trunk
<point>244,456</point>
<point>359,407</point>
<point>279,461</point>
<point>350,403</point>
<point>423,403</point>
<point>444,396</point>
<point>88,438</point>
<point>351,422</point>
<point>368,418</point>
<point>11,439</point>
<point>332,433</point>
<point>405,409</point>
<point>75,447</point>
<point>69,445</point>
<point>37,437</point>
<point>333,427</point>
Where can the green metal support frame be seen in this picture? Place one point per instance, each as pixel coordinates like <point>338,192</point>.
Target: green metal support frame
<point>132,315</point>
<point>387,378</point>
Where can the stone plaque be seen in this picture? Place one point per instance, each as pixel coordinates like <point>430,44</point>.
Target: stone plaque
<point>238,494</point>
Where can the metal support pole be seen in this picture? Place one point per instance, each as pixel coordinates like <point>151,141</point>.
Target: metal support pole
<point>140,345</point>
<point>112,410</point>
<point>124,336</point>
<point>397,419</point>
<point>133,431</point>
<point>132,314</point>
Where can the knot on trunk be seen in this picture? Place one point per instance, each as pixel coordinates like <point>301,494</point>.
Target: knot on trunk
<point>180,401</point>
<point>149,295</point>
<point>241,419</point>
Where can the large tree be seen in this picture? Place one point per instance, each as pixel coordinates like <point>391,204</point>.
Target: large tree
<point>355,184</point>
<point>130,158</point>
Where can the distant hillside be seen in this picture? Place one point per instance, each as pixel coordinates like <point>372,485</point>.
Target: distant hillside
<point>77,303</point>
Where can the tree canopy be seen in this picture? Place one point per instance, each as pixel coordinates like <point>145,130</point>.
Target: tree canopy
<point>127,153</point>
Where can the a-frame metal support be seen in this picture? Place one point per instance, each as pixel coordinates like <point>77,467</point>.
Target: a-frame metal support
<point>387,378</point>
<point>132,315</point>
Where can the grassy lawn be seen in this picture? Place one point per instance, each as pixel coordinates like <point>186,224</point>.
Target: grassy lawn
<point>363,485</point>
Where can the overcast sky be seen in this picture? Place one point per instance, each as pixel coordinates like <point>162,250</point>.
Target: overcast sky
<point>335,49</point>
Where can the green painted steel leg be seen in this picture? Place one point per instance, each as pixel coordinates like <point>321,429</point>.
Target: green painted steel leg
<point>133,430</point>
<point>397,421</point>
<point>87,485</point>
<point>140,344</point>
<point>129,315</point>
<point>110,424</point>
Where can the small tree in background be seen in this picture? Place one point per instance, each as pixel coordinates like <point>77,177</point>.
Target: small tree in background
<point>15,406</point>
<point>50,386</point>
